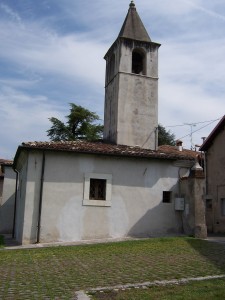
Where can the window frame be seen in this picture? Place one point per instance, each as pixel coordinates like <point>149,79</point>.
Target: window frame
<point>108,193</point>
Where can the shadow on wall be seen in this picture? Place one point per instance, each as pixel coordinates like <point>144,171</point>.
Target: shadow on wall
<point>161,220</point>
<point>7,215</point>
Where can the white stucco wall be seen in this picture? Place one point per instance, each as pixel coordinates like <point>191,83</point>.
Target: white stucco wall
<point>136,201</point>
<point>7,201</point>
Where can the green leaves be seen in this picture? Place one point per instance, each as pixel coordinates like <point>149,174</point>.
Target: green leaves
<point>165,137</point>
<point>81,124</point>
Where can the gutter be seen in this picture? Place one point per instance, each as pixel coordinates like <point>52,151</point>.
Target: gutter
<point>40,199</point>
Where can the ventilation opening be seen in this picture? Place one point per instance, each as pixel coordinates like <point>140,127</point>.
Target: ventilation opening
<point>138,62</point>
<point>167,196</point>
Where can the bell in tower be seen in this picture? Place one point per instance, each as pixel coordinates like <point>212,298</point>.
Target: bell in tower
<point>131,86</point>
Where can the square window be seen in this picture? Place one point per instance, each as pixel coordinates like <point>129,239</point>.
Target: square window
<point>97,189</point>
<point>167,197</point>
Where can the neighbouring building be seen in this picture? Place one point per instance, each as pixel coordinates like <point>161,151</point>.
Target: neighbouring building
<point>123,186</point>
<point>214,149</point>
<point>7,195</point>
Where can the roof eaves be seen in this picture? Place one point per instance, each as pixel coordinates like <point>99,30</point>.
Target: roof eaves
<point>111,152</point>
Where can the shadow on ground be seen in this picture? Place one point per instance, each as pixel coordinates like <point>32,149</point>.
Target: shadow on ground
<point>212,250</point>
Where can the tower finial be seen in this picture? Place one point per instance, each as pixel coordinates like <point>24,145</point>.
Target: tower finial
<point>132,5</point>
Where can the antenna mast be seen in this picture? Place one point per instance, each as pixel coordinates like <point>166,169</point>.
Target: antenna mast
<point>191,134</point>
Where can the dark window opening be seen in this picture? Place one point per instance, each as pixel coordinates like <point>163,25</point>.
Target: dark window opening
<point>97,189</point>
<point>138,62</point>
<point>223,206</point>
<point>167,197</point>
<point>208,204</point>
<point>111,68</point>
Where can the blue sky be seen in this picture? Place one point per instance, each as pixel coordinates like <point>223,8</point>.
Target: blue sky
<point>52,53</point>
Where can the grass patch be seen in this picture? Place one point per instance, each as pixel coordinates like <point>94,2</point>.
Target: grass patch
<point>207,290</point>
<point>1,241</point>
<point>57,272</point>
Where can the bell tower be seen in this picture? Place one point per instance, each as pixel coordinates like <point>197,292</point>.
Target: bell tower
<point>131,86</point>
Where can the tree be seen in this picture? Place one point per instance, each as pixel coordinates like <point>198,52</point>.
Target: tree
<point>81,124</point>
<point>165,137</point>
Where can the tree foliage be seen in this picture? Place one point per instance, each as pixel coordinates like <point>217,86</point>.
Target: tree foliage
<point>81,124</point>
<point>165,137</point>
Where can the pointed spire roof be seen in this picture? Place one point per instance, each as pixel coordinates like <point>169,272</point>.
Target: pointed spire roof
<point>133,28</point>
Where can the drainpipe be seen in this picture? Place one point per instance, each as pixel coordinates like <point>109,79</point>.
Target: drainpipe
<point>40,199</point>
<point>207,187</point>
<point>205,169</point>
<point>15,204</point>
<point>156,137</point>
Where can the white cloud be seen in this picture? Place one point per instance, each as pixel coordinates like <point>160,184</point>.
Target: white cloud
<point>205,10</point>
<point>191,85</point>
<point>46,52</point>
<point>44,56</point>
<point>24,117</point>
<point>13,15</point>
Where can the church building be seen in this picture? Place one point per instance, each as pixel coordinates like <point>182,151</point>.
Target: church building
<point>124,186</point>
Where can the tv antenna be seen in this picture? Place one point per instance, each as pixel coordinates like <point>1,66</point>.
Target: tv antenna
<point>191,134</point>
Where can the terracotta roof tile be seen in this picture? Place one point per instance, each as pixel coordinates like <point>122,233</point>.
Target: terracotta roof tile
<point>5,162</point>
<point>102,148</point>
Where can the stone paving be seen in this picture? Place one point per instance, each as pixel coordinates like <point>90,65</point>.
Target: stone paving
<point>42,272</point>
<point>83,295</point>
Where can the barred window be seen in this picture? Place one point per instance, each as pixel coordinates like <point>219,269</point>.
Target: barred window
<point>97,189</point>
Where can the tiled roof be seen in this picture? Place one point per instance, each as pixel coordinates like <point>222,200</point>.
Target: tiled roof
<point>174,150</point>
<point>5,162</point>
<point>102,148</point>
<point>208,142</point>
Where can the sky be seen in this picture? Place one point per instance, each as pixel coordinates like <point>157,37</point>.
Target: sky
<point>51,54</point>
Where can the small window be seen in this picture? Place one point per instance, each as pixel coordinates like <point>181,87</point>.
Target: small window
<point>138,62</point>
<point>167,197</point>
<point>208,204</point>
<point>97,189</point>
<point>223,206</point>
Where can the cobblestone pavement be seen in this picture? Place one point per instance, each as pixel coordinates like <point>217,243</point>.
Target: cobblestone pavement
<point>58,272</point>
